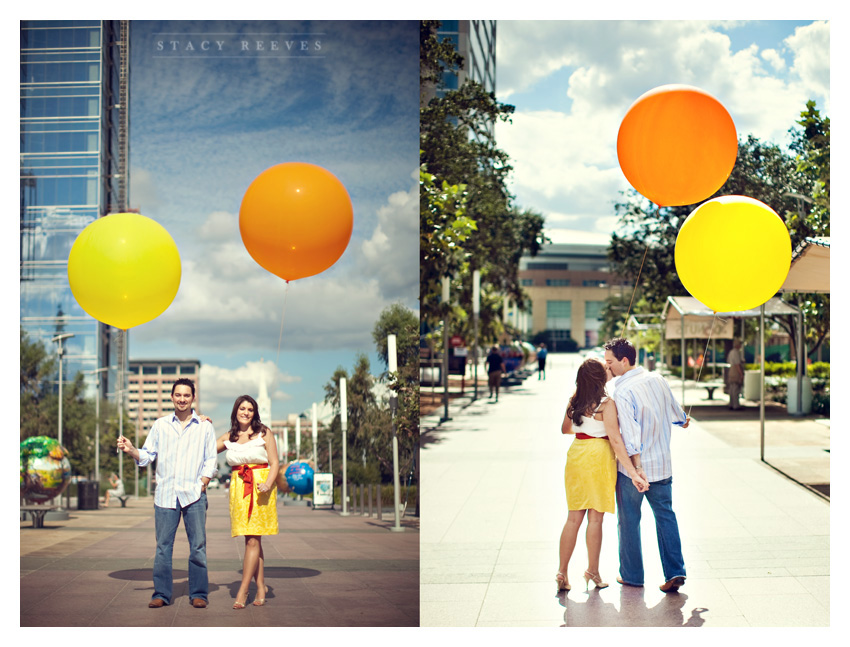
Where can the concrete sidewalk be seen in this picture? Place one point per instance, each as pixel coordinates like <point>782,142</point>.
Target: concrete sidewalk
<point>756,544</point>
<point>322,570</point>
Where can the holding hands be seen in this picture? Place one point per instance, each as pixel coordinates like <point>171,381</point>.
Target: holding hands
<point>639,479</point>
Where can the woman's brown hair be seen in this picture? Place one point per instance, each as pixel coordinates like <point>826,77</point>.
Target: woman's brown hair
<point>590,389</point>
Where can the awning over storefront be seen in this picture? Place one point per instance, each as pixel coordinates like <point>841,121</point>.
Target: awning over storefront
<point>809,267</point>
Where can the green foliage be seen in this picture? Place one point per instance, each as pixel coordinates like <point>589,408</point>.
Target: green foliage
<point>644,243</point>
<point>370,420</point>
<point>816,370</point>
<point>467,217</point>
<point>819,370</point>
<point>39,412</point>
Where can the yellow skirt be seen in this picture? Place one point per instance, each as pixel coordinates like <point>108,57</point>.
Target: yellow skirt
<point>263,519</point>
<point>590,476</point>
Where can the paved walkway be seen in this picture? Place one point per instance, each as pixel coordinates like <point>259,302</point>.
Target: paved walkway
<point>756,544</point>
<point>322,570</point>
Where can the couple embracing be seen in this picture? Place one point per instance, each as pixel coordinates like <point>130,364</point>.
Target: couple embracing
<point>621,452</point>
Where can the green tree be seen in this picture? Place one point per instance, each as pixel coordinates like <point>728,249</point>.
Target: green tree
<point>402,322</point>
<point>810,218</point>
<point>459,153</point>
<point>39,412</point>
<point>644,244</point>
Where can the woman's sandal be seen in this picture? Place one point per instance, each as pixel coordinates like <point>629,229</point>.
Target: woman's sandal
<point>261,601</point>
<point>562,582</point>
<point>238,604</point>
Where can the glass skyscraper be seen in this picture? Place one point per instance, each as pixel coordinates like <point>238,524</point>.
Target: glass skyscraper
<point>74,151</point>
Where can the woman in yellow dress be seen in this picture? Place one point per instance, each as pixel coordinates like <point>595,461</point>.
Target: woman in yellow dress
<point>590,475</point>
<point>252,454</point>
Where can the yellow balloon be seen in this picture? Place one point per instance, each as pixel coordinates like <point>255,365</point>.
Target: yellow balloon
<point>733,253</point>
<point>124,269</point>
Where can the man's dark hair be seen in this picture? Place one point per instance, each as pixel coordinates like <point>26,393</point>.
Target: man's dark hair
<point>185,381</point>
<point>621,348</point>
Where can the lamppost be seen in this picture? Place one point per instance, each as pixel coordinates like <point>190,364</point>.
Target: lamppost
<point>392,365</point>
<point>343,419</point>
<point>61,351</point>
<point>96,373</point>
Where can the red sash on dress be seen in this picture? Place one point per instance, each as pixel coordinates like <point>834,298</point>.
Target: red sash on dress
<point>581,436</point>
<point>246,473</point>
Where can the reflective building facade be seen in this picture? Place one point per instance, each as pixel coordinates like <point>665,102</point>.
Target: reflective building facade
<point>73,161</point>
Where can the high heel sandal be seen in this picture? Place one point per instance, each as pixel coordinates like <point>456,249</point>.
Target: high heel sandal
<point>238,604</point>
<point>258,602</point>
<point>596,580</point>
<point>562,582</point>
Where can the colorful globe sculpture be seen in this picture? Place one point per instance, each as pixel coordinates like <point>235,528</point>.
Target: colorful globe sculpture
<point>300,477</point>
<point>45,469</point>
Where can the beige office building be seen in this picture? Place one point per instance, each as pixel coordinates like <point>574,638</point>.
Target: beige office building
<point>149,383</point>
<point>568,283</point>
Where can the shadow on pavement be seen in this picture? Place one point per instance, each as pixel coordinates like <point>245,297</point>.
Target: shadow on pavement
<point>589,610</point>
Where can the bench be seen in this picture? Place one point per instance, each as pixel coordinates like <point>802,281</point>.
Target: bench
<point>123,500</point>
<point>710,387</point>
<point>37,513</point>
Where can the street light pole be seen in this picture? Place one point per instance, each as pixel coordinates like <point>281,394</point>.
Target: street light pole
<point>96,373</point>
<point>61,351</point>
<point>343,420</point>
<point>59,339</point>
<point>392,365</point>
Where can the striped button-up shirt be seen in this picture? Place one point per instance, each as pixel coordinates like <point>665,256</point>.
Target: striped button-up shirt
<point>182,455</point>
<point>647,411</point>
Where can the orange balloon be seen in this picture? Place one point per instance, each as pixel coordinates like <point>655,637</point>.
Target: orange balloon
<point>677,145</point>
<point>296,220</point>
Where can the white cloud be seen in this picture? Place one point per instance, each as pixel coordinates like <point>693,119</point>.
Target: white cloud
<point>810,45</point>
<point>392,253</point>
<point>220,226</point>
<point>774,59</point>
<point>221,386</point>
<point>565,162</point>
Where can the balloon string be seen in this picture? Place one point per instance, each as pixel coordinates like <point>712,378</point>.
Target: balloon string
<point>637,280</point>
<point>282,315</point>
<point>704,355</point>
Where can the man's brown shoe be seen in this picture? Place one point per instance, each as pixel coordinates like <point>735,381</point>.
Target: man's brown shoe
<point>156,603</point>
<point>671,586</point>
<point>199,603</point>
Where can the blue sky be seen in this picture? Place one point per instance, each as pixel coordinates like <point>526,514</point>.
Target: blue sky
<point>573,81</point>
<point>207,117</point>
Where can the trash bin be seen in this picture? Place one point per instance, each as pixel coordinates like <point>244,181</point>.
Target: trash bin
<point>87,492</point>
<point>752,385</point>
<point>806,399</point>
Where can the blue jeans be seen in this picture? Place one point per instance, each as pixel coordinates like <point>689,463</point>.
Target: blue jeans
<point>629,500</point>
<point>166,521</point>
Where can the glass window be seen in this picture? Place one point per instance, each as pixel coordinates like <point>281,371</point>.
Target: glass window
<point>558,315</point>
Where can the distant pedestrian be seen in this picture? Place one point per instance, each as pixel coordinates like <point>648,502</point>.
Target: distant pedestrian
<point>647,411</point>
<point>495,369</point>
<point>735,377</point>
<point>590,475</point>
<point>116,491</point>
<point>252,454</point>
<point>541,362</point>
<point>183,447</point>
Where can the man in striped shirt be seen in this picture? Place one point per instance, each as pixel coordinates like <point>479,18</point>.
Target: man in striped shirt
<point>184,449</point>
<point>647,411</point>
